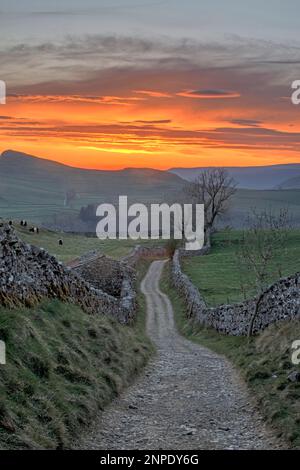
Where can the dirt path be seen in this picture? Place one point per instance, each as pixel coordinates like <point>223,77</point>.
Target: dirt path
<point>188,398</point>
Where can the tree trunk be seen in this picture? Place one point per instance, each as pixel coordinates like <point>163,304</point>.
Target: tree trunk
<point>251,325</point>
<point>208,237</point>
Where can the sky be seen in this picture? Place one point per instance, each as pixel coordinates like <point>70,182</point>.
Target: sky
<point>151,83</point>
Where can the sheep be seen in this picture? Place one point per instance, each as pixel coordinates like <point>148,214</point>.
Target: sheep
<point>60,242</point>
<point>34,230</point>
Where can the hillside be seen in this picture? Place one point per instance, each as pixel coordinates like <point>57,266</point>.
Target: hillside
<point>245,200</point>
<point>75,245</point>
<point>63,367</point>
<point>38,172</point>
<point>36,188</point>
<point>291,183</point>
<point>252,177</point>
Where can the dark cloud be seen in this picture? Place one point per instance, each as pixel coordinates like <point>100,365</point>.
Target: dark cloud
<point>78,57</point>
<point>160,121</point>
<point>103,134</point>
<point>98,10</point>
<point>281,62</point>
<point>209,94</point>
<point>53,98</point>
<point>246,122</point>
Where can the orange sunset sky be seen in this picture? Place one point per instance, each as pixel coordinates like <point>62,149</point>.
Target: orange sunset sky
<point>150,84</point>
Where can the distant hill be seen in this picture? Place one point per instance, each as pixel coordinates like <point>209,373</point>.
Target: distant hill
<point>36,188</point>
<point>41,174</point>
<point>245,200</point>
<point>291,183</point>
<point>259,188</point>
<point>253,177</point>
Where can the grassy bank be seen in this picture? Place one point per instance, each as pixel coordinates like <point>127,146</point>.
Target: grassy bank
<point>264,363</point>
<point>63,367</point>
<point>217,275</point>
<point>76,245</point>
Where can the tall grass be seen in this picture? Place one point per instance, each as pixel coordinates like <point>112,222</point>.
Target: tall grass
<point>63,367</point>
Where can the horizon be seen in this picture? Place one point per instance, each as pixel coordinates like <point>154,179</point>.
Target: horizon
<point>38,157</point>
<point>156,84</point>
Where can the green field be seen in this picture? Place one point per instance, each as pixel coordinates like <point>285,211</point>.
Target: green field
<point>41,205</point>
<point>245,199</point>
<point>263,361</point>
<point>76,245</point>
<point>217,275</point>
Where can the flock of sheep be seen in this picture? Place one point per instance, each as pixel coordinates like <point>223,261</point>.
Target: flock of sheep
<point>34,229</point>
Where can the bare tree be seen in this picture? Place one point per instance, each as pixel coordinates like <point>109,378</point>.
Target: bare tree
<point>70,196</point>
<point>213,188</point>
<point>261,252</point>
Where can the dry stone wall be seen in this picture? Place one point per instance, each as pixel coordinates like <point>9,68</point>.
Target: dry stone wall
<point>279,302</point>
<point>112,276</point>
<point>103,272</point>
<point>28,274</point>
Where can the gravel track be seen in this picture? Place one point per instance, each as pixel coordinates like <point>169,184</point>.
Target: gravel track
<point>188,397</point>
